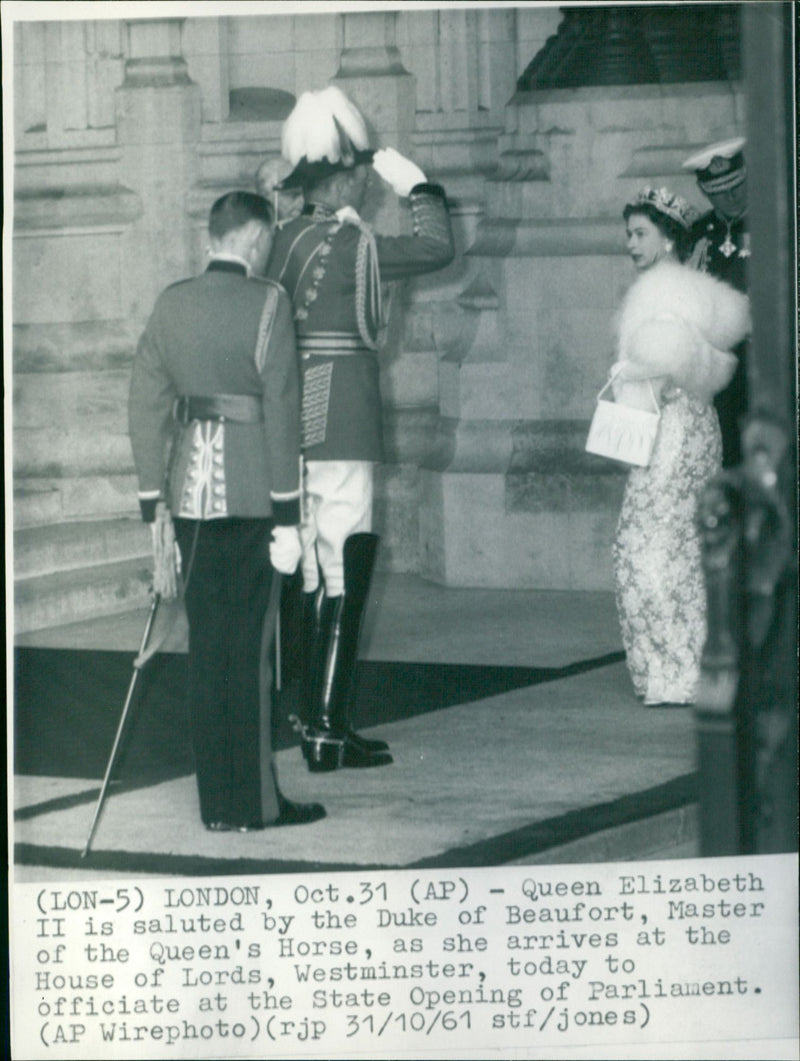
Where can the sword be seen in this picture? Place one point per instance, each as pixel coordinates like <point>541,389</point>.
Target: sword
<point>128,700</point>
<point>273,607</point>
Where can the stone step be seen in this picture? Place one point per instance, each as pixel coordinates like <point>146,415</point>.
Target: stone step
<point>37,501</point>
<point>68,546</point>
<point>49,400</point>
<point>84,346</point>
<point>84,593</point>
<point>40,501</point>
<point>75,453</point>
<point>71,423</point>
<point>673,834</point>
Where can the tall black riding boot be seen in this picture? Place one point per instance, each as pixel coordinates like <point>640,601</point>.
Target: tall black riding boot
<point>330,743</point>
<point>313,653</point>
<point>359,562</point>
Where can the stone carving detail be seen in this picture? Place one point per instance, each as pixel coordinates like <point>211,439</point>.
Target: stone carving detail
<point>646,44</point>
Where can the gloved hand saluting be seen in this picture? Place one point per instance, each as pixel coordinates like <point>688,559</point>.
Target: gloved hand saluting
<point>397,170</point>
<point>284,549</point>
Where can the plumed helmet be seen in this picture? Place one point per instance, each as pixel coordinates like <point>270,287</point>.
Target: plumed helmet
<point>324,134</point>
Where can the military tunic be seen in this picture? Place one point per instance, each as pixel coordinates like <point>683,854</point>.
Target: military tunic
<point>202,340</point>
<point>332,266</point>
<point>723,249</point>
<point>223,337</point>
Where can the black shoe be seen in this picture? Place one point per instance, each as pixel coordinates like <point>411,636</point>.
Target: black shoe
<point>367,744</point>
<point>227,827</point>
<point>359,757</point>
<point>324,751</point>
<point>288,814</point>
<point>298,813</point>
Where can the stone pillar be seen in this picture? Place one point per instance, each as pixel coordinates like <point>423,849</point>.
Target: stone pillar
<point>158,110</point>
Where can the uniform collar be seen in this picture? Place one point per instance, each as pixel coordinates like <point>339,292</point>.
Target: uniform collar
<point>318,212</point>
<point>740,220</point>
<point>228,263</point>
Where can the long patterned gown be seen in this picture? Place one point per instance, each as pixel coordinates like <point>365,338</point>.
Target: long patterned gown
<point>656,554</point>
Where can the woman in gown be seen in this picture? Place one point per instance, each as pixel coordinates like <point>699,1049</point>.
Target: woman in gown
<point>675,329</point>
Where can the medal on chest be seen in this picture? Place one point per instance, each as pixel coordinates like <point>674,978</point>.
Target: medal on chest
<point>727,247</point>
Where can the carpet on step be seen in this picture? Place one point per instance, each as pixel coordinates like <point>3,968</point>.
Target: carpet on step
<point>68,704</point>
<point>534,838</point>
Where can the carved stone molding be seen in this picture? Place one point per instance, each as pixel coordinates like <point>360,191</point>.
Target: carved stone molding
<point>637,45</point>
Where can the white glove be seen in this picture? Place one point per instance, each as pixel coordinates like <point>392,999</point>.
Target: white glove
<point>347,214</point>
<point>285,549</point>
<point>397,170</point>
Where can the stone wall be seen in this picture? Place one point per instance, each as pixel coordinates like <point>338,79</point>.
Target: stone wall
<point>125,133</point>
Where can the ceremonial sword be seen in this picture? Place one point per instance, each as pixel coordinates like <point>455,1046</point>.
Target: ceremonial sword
<point>273,607</point>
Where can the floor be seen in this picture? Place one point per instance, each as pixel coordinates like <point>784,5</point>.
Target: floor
<point>472,781</point>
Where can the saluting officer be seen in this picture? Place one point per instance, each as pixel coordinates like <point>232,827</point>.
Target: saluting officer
<point>216,379</point>
<point>722,248</point>
<point>332,265</point>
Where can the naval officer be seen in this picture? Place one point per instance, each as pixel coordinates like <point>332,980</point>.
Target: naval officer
<point>722,248</point>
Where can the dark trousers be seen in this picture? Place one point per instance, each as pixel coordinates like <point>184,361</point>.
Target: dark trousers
<point>228,580</point>
<point>731,406</point>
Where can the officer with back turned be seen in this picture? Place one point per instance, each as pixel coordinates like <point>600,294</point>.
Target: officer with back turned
<point>215,378</point>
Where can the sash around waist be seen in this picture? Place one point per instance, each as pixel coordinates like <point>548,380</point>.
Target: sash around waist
<point>240,408</point>
<point>328,344</point>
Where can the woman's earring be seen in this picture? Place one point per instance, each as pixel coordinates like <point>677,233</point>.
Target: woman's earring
<point>668,245</point>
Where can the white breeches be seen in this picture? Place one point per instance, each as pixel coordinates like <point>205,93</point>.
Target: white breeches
<point>337,502</point>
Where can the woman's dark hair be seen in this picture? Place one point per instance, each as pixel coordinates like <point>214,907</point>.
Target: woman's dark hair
<point>667,226</point>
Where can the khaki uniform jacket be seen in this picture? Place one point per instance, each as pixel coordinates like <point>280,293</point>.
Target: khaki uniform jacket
<point>219,333</point>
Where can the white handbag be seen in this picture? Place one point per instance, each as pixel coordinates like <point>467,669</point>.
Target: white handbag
<point>621,432</point>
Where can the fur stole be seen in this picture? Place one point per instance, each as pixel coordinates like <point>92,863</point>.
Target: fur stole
<point>678,325</point>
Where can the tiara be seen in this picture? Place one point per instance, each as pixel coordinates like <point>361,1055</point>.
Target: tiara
<point>667,202</point>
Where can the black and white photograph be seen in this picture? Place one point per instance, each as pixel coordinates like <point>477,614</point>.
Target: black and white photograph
<point>401,499</point>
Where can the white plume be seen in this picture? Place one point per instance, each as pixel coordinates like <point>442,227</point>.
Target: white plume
<point>311,130</point>
<point>348,116</point>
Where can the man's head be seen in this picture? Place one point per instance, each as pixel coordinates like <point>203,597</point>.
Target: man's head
<point>240,224</point>
<point>326,142</point>
<point>287,204</point>
<point>722,176</point>
<point>345,188</point>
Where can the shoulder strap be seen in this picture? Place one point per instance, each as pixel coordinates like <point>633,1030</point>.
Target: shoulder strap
<point>299,247</point>
<point>265,326</point>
